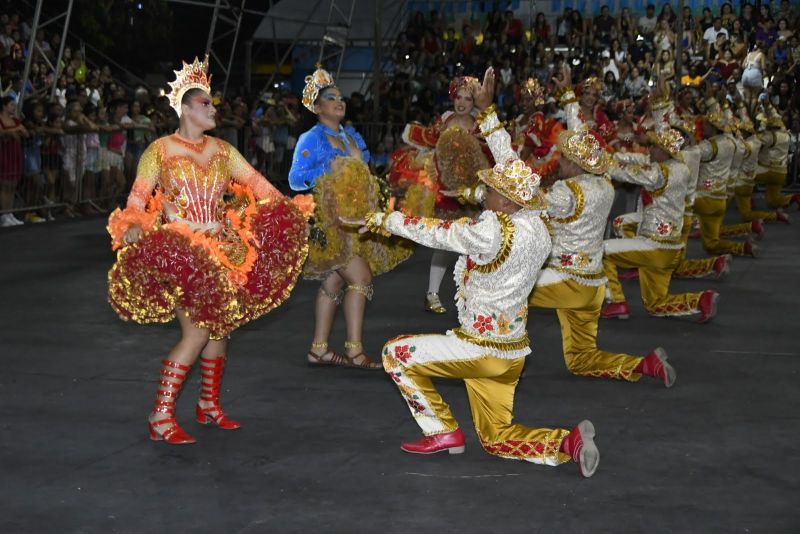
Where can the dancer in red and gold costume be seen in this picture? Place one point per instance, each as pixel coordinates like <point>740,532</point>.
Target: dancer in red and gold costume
<point>204,238</point>
<point>442,157</point>
<point>535,136</point>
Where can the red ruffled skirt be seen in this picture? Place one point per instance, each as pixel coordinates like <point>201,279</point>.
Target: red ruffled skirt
<point>169,268</point>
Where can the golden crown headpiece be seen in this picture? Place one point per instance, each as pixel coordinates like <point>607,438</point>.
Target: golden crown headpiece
<point>535,89</point>
<point>773,118</point>
<point>192,76</point>
<point>315,83</point>
<point>592,82</point>
<point>668,139</point>
<point>715,115</point>
<point>584,148</point>
<point>516,181</point>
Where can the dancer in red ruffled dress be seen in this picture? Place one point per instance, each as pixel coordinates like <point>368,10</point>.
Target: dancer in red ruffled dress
<point>204,238</point>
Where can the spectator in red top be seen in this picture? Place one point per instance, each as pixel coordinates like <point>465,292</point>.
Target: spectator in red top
<point>513,28</point>
<point>540,28</point>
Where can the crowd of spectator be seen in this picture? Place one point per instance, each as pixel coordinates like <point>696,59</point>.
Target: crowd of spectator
<point>84,143</point>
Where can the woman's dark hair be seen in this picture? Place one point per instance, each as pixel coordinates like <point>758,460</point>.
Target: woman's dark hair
<point>5,100</point>
<point>189,94</point>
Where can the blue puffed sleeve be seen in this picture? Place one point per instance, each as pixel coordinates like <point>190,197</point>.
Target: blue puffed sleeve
<point>309,161</point>
<point>360,143</point>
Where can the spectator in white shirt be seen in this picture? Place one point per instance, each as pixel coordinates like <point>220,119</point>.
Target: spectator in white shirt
<point>647,22</point>
<point>710,35</point>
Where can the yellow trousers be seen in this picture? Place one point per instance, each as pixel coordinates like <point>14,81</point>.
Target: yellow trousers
<point>694,268</point>
<point>773,183</point>
<point>655,271</point>
<point>736,230</point>
<point>744,203</point>
<point>578,309</point>
<point>711,213</point>
<point>411,361</point>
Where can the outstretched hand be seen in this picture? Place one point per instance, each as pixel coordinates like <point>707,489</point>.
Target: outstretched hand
<point>350,221</point>
<point>564,77</point>
<point>484,95</point>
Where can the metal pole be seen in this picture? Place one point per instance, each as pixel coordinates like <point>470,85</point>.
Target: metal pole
<point>248,65</point>
<point>679,48</point>
<point>28,60</point>
<point>233,49</point>
<point>344,45</point>
<point>214,17</point>
<point>61,50</point>
<point>377,65</point>
<point>294,42</point>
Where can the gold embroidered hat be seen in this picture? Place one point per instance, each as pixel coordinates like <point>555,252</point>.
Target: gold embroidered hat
<point>516,181</point>
<point>745,124</point>
<point>668,139</point>
<point>773,118</point>
<point>192,76</point>
<point>315,83</point>
<point>716,116</point>
<point>584,148</point>
<point>535,89</point>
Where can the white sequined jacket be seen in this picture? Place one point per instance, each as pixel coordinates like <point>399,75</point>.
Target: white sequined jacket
<point>501,256</point>
<point>577,209</point>
<point>716,157</point>
<point>774,153</point>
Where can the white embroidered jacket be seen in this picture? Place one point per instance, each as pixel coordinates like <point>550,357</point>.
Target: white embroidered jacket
<point>577,208</point>
<point>500,260</point>
<point>664,197</point>
<point>716,157</point>
<point>774,153</point>
<point>748,174</point>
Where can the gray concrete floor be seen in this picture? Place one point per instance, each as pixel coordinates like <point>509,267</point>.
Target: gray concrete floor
<point>319,448</point>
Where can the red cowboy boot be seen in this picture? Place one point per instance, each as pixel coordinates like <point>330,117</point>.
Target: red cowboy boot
<point>708,305</point>
<point>758,228</point>
<point>781,216</point>
<point>452,442</point>
<point>579,444</point>
<point>211,372</point>
<point>170,387</point>
<point>750,249</point>
<point>616,310</point>
<point>655,365</point>
<point>630,274</point>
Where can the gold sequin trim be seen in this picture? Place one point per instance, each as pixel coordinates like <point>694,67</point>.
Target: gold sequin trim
<point>510,344</point>
<point>507,235</point>
<point>579,203</point>
<point>483,115</point>
<point>579,274</point>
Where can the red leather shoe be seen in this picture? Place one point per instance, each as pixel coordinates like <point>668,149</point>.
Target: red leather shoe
<point>695,234</point>
<point>579,444</point>
<point>795,200</point>
<point>750,249</point>
<point>655,365</point>
<point>211,371</point>
<point>616,310</point>
<point>722,265</point>
<point>173,376</point>
<point>630,274</point>
<point>452,442</point>
<point>781,216</point>
<point>758,228</point>
<point>708,305</point>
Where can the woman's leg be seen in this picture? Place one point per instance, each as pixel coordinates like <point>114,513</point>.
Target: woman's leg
<point>328,297</point>
<point>212,365</point>
<point>358,276</point>
<point>440,260</point>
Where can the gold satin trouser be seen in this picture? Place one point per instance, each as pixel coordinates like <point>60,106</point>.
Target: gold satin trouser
<point>773,183</point>
<point>655,271</point>
<point>695,268</point>
<point>578,309</point>
<point>711,212</point>
<point>744,203</point>
<point>411,361</point>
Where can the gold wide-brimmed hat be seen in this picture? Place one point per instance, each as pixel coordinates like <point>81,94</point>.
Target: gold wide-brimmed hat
<point>316,82</point>
<point>584,148</point>
<point>716,116</point>
<point>516,181</point>
<point>668,139</point>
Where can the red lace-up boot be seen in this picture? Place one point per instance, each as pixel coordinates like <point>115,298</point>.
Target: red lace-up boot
<point>211,372</point>
<point>616,310</point>
<point>167,429</point>
<point>708,305</point>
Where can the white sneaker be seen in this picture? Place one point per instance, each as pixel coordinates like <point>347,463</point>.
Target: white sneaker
<point>15,220</point>
<point>6,221</point>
